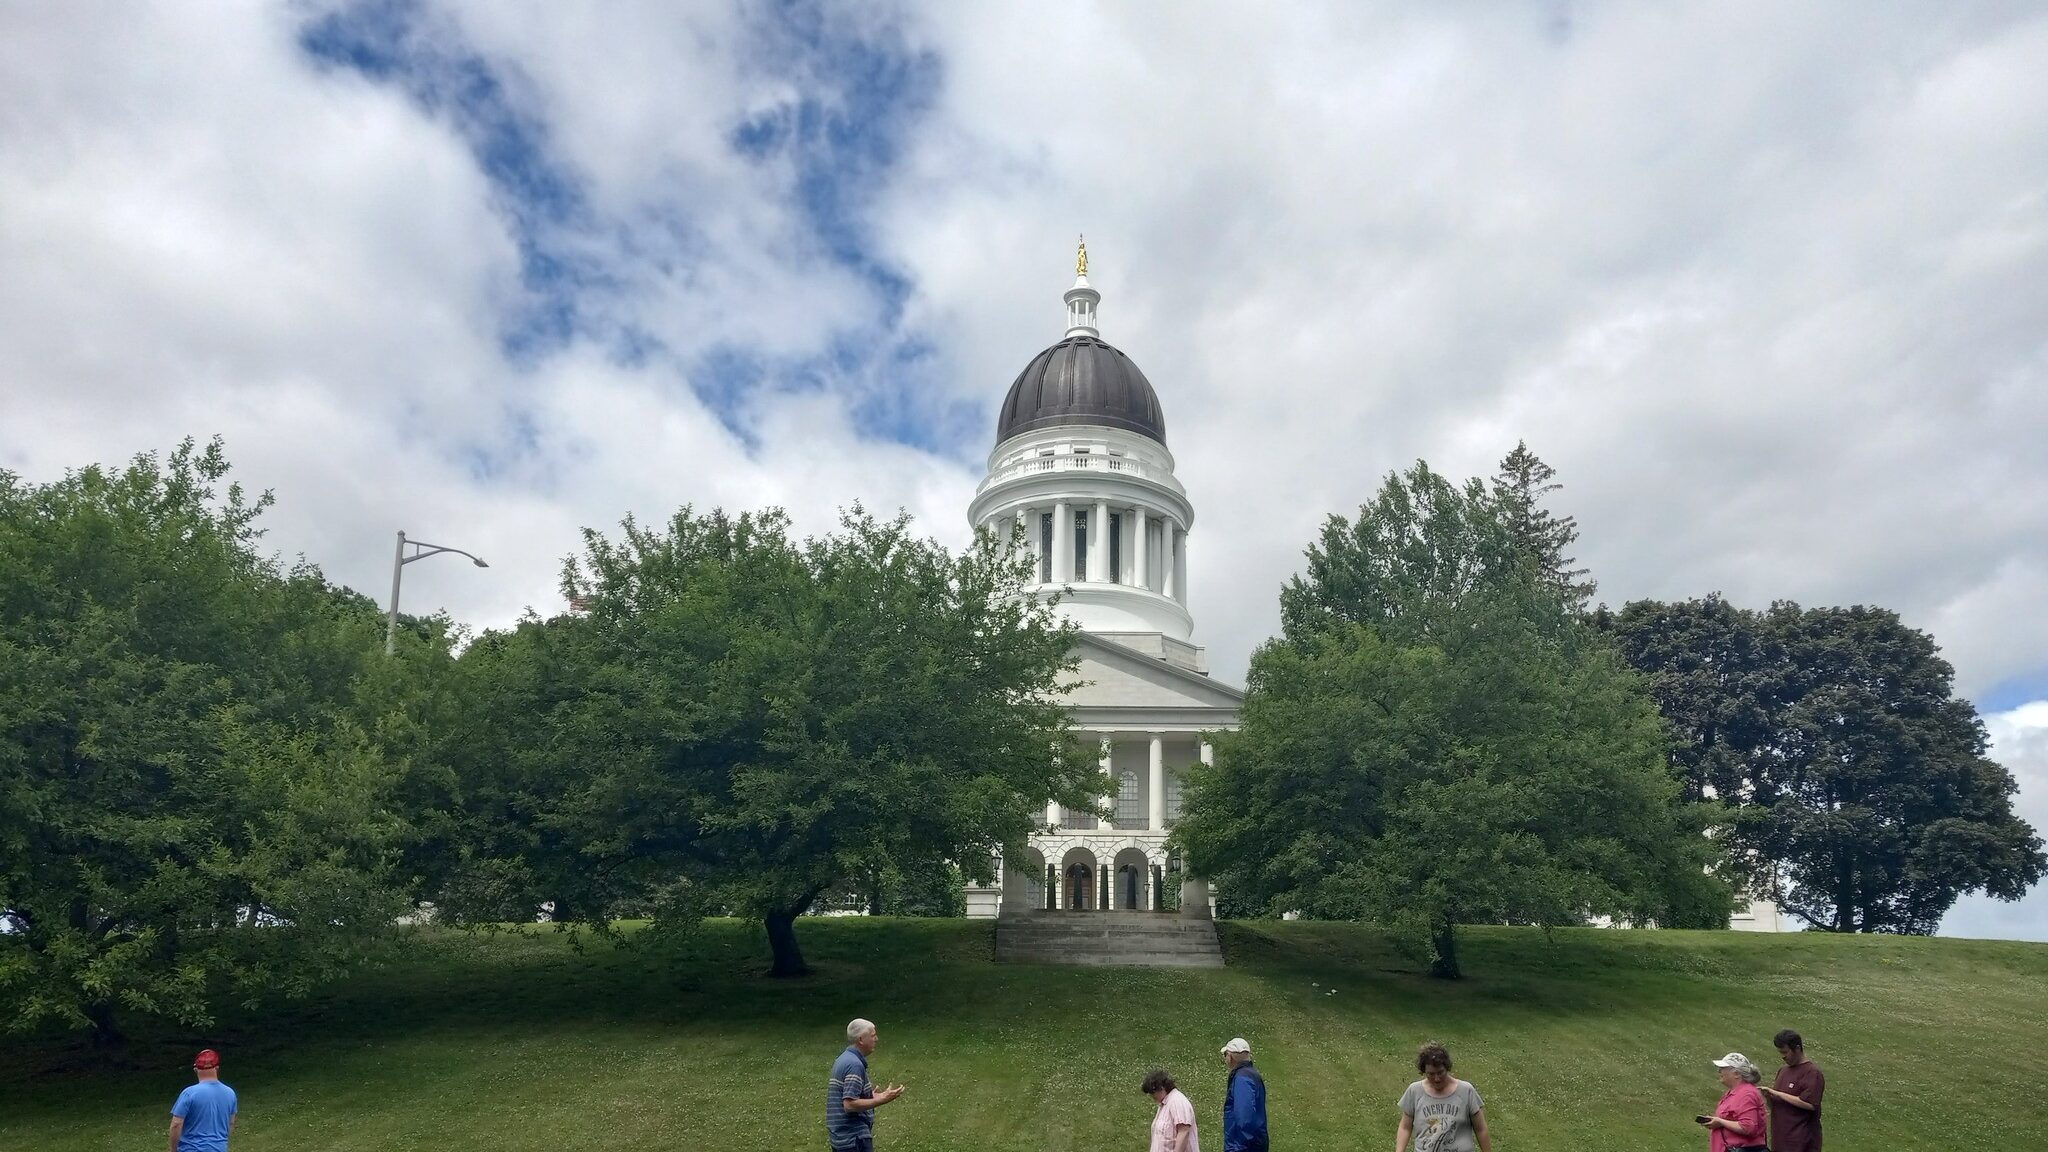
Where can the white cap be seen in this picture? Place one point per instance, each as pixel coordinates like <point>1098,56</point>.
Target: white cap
<point>1732,1060</point>
<point>1237,1044</point>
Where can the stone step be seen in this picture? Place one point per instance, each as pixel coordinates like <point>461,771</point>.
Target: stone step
<point>1108,921</point>
<point>1162,943</point>
<point>1125,960</point>
<point>1130,939</point>
<point>1084,932</point>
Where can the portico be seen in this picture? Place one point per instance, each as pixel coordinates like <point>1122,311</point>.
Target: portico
<point>1126,849</point>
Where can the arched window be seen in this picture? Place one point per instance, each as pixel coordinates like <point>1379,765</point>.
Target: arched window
<point>1172,797</point>
<point>1130,807</point>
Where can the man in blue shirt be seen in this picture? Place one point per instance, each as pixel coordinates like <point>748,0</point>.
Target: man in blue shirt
<point>1244,1100</point>
<point>850,1098</point>
<point>205,1113</point>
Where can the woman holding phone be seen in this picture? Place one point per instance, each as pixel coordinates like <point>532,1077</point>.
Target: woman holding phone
<point>1737,1124</point>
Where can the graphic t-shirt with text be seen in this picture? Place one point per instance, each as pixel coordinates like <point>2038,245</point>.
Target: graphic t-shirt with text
<point>1442,1123</point>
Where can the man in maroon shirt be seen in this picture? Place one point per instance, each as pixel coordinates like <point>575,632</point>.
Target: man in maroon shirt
<point>1795,1097</point>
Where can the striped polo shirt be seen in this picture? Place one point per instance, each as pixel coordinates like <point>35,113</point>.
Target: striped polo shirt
<point>849,1082</point>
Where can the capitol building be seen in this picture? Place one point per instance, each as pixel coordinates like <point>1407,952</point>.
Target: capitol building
<point>1082,474</point>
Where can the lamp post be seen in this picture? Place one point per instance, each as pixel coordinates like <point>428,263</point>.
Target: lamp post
<point>398,563</point>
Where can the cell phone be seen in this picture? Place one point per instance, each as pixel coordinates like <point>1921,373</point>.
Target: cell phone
<point>1703,1119</point>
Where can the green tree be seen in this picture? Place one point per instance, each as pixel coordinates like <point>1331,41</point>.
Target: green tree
<point>202,755</point>
<point>1519,489</point>
<point>746,722</point>
<point>1864,797</point>
<point>1436,739</point>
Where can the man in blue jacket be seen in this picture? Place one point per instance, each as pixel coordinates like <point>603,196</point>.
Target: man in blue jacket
<point>1244,1100</point>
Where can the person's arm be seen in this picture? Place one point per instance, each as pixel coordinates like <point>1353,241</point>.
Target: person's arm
<point>1732,1126</point>
<point>1181,1132</point>
<point>1813,1085</point>
<point>870,1103</point>
<point>1746,1123</point>
<point>1235,1115</point>
<point>1789,1098</point>
<point>1402,1133</point>
<point>1479,1131</point>
<point>177,1130</point>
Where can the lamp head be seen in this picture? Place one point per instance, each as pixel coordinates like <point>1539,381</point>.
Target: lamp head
<point>480,563</point>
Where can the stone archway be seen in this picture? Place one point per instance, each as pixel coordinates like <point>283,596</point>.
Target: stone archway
<point>1024,881</point>
<point>1132,876</point>
<point>1078,880</point>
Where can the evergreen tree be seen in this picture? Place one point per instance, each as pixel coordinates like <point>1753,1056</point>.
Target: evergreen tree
<point>1437,739</point>
<point>1520,487</point>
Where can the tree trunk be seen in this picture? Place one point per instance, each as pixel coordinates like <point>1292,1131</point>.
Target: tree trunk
<point>789,959</point>
<point>1444,942</point>
<point>106,1034</point>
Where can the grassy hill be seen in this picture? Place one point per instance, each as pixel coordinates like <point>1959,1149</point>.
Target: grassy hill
<point>1587,1039</point>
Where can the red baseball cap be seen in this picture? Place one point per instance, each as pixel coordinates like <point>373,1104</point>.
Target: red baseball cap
<point>207,1058</point>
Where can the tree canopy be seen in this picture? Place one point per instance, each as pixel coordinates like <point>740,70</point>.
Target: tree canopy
<point>1436,739</point>
<point>1864,797</point>
<point>744,721</point>
<point>202,754</point>
<point>1519,489</point>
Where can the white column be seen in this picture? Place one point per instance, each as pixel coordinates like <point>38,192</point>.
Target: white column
<point>1140,575</point>
<point>1156,801</point>
<point>1052,812</point>
<point>1166,553</point>
<point>1180,567</point>
<point>1122,575</point>
<point>1098,543</point>
<point>1208,752</point>
<point>1109,770</point>
<point>1027,524</point>
<point>1062,543</point>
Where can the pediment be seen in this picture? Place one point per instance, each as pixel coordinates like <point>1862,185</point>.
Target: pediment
<point>1111,676</point>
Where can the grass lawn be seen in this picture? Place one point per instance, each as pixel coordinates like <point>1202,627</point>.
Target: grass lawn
<point>1588,1039</point>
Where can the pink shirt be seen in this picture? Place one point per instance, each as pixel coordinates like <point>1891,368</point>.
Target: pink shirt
<point>1744,1105</point>
<point>1173,1112</point>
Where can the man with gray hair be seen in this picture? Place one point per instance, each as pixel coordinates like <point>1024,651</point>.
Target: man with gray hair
<point>850,1097</point>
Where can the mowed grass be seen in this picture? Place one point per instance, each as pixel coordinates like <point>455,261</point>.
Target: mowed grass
<point>1581,1039</point>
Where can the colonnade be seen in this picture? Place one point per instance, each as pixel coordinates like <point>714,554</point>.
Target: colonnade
<point>1155,781</point>
<point>1124,556</point>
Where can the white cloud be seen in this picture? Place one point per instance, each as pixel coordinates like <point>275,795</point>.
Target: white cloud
<point>205,233</point>
<point>1770,295</point>
<point>1769,286</point>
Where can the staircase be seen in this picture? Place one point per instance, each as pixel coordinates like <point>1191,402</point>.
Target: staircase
<point>1130,939</point>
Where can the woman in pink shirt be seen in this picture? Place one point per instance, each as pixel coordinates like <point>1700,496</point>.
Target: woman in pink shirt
<point>1737,1124</point>
<point>1173,1126</point>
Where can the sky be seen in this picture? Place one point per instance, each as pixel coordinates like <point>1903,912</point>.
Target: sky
<point>1767,284</point>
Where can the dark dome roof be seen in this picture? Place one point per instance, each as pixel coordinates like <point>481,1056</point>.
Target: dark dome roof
<point>1081,380</point>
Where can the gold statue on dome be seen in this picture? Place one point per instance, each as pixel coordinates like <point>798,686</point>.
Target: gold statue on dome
<point>1081,260</point>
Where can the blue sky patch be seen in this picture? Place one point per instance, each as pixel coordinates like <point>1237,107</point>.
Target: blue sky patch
<point>400,43</point>
<point>2011,693</point>
<point>858,90</point>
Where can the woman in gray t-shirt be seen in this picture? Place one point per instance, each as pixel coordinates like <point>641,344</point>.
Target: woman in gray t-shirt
<point>1441,1111</point>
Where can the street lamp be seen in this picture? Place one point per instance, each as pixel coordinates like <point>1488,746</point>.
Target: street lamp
<point>398,563</point>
